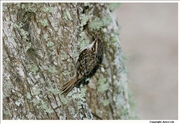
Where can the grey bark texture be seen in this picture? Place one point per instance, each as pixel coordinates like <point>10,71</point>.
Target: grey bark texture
<point>41,42</point>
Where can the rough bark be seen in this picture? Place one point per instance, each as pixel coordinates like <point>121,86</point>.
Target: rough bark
<point>40,44</point>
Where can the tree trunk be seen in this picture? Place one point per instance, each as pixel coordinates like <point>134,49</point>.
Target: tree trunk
<point>40,44</point>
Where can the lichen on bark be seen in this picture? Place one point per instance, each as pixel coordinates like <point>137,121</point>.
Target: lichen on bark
<point>40,44</point>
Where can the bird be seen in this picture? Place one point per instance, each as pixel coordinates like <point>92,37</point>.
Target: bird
<point>87,64</point>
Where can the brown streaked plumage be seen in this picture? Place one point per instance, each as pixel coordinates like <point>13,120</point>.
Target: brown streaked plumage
<point>87,64</point>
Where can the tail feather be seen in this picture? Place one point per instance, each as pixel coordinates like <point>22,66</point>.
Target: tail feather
<point>69,86</point>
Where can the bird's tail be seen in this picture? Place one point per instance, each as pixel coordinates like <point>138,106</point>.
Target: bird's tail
<point>69,86</point>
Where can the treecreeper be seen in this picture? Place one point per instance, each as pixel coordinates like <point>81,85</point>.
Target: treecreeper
<point>87,63</point>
